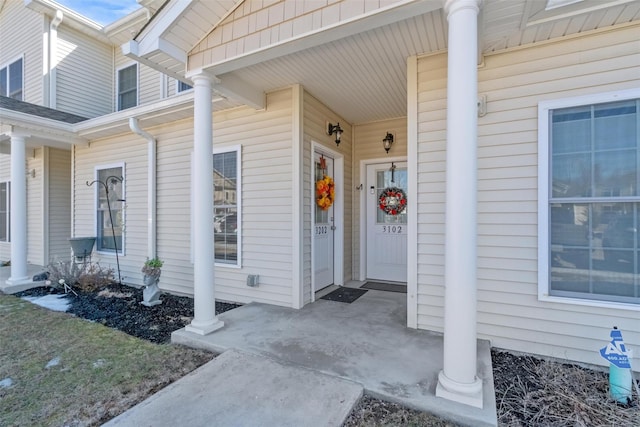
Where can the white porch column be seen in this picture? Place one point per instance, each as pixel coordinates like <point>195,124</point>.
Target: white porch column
<point>18,212</point>
<point>205,320</point>
<point>458,381</point>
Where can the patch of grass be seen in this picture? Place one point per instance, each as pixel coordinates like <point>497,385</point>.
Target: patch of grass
<point>101,371</point>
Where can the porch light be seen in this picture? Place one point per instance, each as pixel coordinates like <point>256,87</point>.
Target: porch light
<point>387,142</point>
<point>337,130</point>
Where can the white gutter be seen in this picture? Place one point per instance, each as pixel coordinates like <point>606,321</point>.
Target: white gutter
<point>151,188</point>
<point>53,57</point>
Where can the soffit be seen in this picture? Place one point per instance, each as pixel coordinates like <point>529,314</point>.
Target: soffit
<point>363,77</point>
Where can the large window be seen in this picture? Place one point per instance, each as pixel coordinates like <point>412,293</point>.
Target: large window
<point>592,212</point>
<point>128,87</point>
<point>11,80</point>
<point>5,210</point>
<point>226,182</point>
<point>110,208</point>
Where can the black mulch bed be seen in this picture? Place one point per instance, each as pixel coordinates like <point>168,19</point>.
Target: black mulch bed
<point>118,306</point>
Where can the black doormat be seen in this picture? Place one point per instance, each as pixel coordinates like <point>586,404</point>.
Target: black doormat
<point>389,287</point>
<point>343,294</point>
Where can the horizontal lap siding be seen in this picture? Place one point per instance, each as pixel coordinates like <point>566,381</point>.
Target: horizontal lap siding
<point>21,32</point>
<point>432,73</point>
<point>35,208</point>
<point>316,115</point>
<point>266,138</point>
<point>84,75</point>
<point>5,176</point>
<point>255,24</point>
<point>131,150</point>
<point>368,145</point>
<point>509,313</point>
<point>59,212</point>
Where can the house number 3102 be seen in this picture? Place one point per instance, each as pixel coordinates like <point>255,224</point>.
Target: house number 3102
<point>392,229</point>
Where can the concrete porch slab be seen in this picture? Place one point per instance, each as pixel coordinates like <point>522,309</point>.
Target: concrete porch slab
<point>5,273</point>
<point>241,389</point>
<point>366,342</point>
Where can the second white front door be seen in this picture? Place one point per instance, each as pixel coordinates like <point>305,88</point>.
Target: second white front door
<point>386,213</point>
<point>323,222</point>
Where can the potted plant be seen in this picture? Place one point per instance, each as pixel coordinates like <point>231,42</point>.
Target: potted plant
<point>151,269</point>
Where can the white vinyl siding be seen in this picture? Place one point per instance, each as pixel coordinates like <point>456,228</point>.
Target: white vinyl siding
<point>5,211</point>
<point>59,199</point>
<point>149,85</point>
<point>368,145</point>
<point>127,87</point>
<point>5,176</point>
<point>21,35</point>
<point>514,82</point>
<point>84,83</point>
<point>315,116</point>
<point>265,137</point>
<point>114,151</point>
<point>35,206</point>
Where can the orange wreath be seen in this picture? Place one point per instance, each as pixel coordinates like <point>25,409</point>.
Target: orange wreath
<point>325,192</point>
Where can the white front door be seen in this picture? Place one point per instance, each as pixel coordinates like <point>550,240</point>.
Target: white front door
<point>386,213</point>
<point>323,222</point>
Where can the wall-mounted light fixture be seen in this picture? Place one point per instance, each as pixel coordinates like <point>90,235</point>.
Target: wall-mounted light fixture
<point>387,142</point>
<point>335,129</point>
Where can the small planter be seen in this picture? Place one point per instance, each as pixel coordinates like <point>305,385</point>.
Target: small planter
<point>82,246</point>
<point>151,293</point>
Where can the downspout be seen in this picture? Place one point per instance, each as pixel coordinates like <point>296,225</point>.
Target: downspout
<point>151,188</point>
<point>53,56</point>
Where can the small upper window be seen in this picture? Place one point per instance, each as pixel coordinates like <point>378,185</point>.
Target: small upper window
<point>593,201</point>
<point>11,80</point>
<point>182,86</point>
<point>128,87</point>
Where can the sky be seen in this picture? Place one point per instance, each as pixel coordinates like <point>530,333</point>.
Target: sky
<point>101,11</point>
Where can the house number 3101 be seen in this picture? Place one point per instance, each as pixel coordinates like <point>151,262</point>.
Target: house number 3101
<point>392,229</point>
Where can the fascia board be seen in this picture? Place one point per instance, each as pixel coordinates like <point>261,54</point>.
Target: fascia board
<point>38,126</point>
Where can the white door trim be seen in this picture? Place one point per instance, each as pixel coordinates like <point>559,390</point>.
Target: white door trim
<point>338,212</point>
<point>363,208</point>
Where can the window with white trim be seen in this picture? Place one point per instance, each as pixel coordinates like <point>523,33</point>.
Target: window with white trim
<point>127,87</point>
<point>182,86</point>
<point>226,197</point>
<point>110,208</point>
<point>11,81</point>
<point>5,211</point>
<point>593,200</point>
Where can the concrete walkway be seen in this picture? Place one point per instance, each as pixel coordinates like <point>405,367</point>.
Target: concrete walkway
<point>241,389</point>
<point>366,342</point>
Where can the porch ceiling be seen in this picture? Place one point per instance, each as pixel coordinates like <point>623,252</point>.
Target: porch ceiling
<point>362,77</point>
